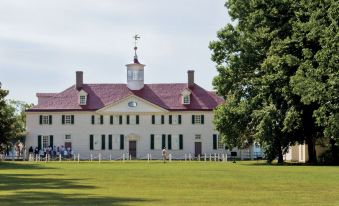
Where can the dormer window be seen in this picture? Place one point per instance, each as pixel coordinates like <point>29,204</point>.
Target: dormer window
<point>186,99</point>
<point>186,96</point>
<point>82,97</point>
<point>83,100</point>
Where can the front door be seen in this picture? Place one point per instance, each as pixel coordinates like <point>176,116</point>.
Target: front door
<point>68,145</point>
<point>197,148</point>
<point>133,149</point>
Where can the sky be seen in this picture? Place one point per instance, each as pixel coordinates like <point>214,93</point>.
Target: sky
<point>43,42</point>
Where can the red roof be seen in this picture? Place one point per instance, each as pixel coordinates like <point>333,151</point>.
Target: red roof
<point>167,96</point>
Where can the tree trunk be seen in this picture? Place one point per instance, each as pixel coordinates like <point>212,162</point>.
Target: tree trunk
<point>312,156</point>
<point>280,157</point>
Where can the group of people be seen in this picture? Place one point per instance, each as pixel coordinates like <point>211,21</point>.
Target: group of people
<point>53,152</point>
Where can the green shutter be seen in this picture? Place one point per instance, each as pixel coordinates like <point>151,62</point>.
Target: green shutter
<point>51,141</point>
<point>181,142</point>
<point>93,119</point>
<point>39,142</point>
<point>122,141</point>
<point>179,119</point>
<point>110,142</point>
<point>72,119</point>
<point>163,141</point>
<point>120,119</point>
<point>162,119</point>
<point>137,119</point>
<point>127,119</point>
<point>170,119</point>
<point>202,119</point>
<point>40,119</point>
<point>63,119</point>
<point>193,119</point>
<point>50,119</point>
<point>101,119</point>
<point>103,143</point>
<point>214,141</point>
<point>169,141</point>
<point>152,141</point>
<point>153,119</point>
<point>111,119</point>
<point>91,141</point>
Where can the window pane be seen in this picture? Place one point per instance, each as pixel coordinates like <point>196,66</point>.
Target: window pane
<point>175,142</point>
<point>157,141</point>
<point>45,141</point>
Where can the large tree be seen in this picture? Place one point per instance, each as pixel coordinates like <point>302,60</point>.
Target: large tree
<point>258,59</point>
<point>12,119</point>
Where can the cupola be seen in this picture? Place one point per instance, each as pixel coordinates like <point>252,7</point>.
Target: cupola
<point>135,71</point>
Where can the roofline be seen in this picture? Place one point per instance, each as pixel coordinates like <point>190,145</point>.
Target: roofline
<point>91,110</point>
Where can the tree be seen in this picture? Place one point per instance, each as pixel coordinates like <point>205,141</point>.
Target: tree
<point>12,119</point>
<point>258,60</point>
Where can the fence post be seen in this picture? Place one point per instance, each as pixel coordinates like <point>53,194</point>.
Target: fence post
<point>78,158</point>
<point>226,157</point>
<point>130,157</point>
<point>99,157</point>
<point>91,158</point>
<point>218,156</point>
<point>170,157</point>
<point>205,157</point>
<point>210,157</point>
<point>148,157</point>
<point>123,157</point>
<point>59,157</point>
<point>185,157</point>
<point>46,158</point>
<point>199,157</point>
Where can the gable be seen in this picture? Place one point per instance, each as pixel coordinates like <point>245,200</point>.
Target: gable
<point>132,104</point>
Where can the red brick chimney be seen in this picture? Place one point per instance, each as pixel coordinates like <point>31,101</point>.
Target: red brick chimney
<point>79,80</point>
<point>190,80</point>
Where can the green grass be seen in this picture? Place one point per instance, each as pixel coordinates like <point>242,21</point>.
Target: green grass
<point>175,183</point>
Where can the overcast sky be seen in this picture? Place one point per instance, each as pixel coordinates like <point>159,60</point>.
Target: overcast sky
<point>43,42</point>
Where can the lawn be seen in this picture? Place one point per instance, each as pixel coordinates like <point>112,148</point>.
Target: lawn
<point>174,183</point>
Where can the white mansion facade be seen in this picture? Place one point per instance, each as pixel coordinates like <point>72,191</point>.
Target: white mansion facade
<point>133,118</point>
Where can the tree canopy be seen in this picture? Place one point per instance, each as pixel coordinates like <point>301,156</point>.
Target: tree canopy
<point>12,119</point>
<point>278,73</point>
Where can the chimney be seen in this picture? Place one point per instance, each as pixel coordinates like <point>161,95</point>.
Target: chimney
<point>79,80</point>
<point>190,81</point>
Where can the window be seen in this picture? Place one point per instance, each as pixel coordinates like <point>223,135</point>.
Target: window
<point>45,119</point>
<point>198,136</point>
<point>68,138</point>
<point>186,99</point>
<point>45,141</point>
<point>158,141</point>
<point>132,104</point>
<point>135,75</point>
<point>97,119</point>
<point>158,119</point>
<point>221,144</point>
<point>174,119</point>
<point>198,119</point>
<point>67,119</point>
<point>82,99</point>
<point>132,119</point>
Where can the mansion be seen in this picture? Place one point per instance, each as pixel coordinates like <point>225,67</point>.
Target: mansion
<point>134,118</point>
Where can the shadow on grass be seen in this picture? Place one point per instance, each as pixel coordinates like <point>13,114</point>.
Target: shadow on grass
<point>37,181</point>
<point>44,189</point>
<point>50,198</point>
<point>15,165</point>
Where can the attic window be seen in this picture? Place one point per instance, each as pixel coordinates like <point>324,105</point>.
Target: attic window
<point>82,99</point>
<point>186,99</point>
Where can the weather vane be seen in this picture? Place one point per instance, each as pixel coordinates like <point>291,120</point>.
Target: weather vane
<point>136,37</point>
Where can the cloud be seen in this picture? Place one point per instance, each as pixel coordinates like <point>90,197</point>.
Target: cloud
<point>44,42</point>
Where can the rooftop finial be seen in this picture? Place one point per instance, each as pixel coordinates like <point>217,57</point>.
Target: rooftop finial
<point>136,37</point>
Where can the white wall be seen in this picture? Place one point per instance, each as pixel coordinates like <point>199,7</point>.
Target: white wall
<point>82,128</point>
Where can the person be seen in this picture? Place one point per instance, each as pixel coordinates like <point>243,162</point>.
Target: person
<point>164,154</point>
